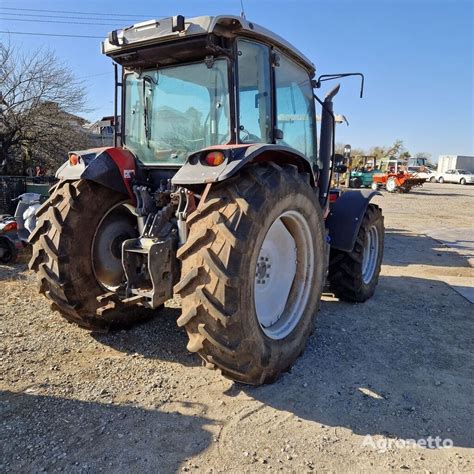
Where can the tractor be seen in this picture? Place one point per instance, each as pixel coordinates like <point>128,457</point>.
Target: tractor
<point>214,191</point>
<point>362,173</point>
<point>394,177</point>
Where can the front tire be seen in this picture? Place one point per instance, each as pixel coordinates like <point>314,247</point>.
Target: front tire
<point>63,253</point>
<point>391,185</point>
<point>441,180</point>
<point>354,275</point>
<point>230,319</point>
<point>462,181</point>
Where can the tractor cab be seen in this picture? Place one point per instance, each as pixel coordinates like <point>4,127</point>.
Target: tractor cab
<point>205,82</point>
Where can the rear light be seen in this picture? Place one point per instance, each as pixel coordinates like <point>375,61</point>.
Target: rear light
<point>10,226</point>
<point>73,159</point>
<point>214,158</point>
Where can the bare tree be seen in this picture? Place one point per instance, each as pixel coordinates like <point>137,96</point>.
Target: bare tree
<point>39,100</point>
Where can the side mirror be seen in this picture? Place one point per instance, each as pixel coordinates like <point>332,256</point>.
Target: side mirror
<point>347,151</point>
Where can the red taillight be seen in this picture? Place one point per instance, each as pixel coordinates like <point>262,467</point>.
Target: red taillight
<point>214,158</point>
<point>73,159</point>
<point>10,226</point>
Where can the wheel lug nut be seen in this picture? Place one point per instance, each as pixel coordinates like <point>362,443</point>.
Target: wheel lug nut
<point>263,281</point>
<point>267,275</point>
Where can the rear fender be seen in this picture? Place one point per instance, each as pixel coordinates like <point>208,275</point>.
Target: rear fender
<point>111,167</point>
<point>195,171</point>
<point>345,217</point>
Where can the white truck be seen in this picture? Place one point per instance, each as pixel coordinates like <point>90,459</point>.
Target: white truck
<point>453,162</point>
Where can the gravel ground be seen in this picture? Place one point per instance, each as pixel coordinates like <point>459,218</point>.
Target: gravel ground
<point>398,367</point>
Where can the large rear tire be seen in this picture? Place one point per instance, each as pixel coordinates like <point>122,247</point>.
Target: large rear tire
<point>354,275</point>
<point>253,239</point>
<point>63,242</point>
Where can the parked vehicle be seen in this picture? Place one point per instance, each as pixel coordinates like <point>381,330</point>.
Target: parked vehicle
<point>361,175</point>
<point>394,177</point>
<point>423,172</point>
<point>218,194</point>
<point>456,176</point>
<point>15,230</point>
<point>453,162</point>
<point>10,244</point>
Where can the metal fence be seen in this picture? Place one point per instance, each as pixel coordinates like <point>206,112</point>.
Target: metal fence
<point>12,186</point>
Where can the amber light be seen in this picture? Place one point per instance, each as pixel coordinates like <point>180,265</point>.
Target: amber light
<point>215,158</point>
<point>10,226</point>
<point>73,159</point>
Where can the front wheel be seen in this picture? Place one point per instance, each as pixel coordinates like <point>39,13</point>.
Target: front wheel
<point>354,275</point>
<point>374,186</point>
<point>391,185</point>
<point>253,272</point>
<point>463,181</point>
<point>433,180</point>
<point>441,180</point>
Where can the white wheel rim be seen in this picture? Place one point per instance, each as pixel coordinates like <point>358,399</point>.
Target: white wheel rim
<point>284,275</point>
<point>390,185</point>
<point>371,250</point>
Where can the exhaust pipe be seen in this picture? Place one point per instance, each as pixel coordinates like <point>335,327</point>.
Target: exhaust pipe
<point>326,145</point>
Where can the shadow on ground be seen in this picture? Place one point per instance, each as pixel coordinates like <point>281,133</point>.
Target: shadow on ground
<point>399,365</point>
<point>76,436</point>
<point>404,248</point>
<point>14,271</point>
<point>157,338</point>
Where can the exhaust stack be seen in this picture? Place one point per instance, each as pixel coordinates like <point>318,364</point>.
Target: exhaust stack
<point>326,145</point>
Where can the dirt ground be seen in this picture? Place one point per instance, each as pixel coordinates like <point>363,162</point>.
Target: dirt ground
<point>397,367</point>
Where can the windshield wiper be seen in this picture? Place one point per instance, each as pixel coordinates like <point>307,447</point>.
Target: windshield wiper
<point>146,118</point>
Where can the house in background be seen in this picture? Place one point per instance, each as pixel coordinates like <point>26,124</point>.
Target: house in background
<point>101,132</point>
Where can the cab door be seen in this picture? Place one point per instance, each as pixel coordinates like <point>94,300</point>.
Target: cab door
<point>254,102</point>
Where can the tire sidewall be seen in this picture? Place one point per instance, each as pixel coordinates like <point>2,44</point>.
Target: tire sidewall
<point>96,201</point>
<point>375,220</point>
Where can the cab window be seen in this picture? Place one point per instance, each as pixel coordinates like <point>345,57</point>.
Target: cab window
<point>294,107</point>
<point>254,92</point>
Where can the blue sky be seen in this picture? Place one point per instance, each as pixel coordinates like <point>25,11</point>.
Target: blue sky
<point>417,56</point>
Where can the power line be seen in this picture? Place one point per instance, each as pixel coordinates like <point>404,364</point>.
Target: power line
<point>77,13</point>
<point>59,21</point>
<point>62,17</point>
<point>49,34</point>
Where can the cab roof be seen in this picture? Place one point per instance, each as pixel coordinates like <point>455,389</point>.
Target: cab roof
<point>153,32</point>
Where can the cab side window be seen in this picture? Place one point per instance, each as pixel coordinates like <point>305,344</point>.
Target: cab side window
<point>294,106</point>
<point>254,92</point>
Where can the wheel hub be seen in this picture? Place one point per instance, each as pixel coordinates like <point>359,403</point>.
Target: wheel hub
<point>263,269</point>
<point>117,225</point>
